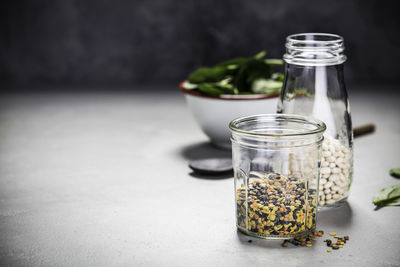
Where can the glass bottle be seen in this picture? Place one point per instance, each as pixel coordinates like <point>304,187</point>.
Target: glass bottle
<point>314,86</point>
<point>274,200</point>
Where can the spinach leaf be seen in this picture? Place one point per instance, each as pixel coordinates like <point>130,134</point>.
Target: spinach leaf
<point>394,202</point>
<point>395,172</point>
<point>237,76</point>
<point>387,196</point>
<point>266,86</point>
<point>210,89</point>
<point>205,74</point>
<point>249,72</point>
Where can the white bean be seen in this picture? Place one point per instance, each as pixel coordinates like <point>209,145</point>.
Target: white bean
<point>325,170</point>
<point>326,153</point>
<point>327,185</point>
<point>332,159</point>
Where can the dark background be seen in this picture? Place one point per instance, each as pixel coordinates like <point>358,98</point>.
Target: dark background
<point>121,44</point>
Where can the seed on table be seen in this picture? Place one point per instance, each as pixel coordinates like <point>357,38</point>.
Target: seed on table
<point>346,237</point>
<point>329,250</point>
<point>308,245</point>
<point>313,239</point>
<point>336,236</point>
<point>285,244</point>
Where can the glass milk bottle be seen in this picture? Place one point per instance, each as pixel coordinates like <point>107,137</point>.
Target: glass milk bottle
<point>314,86</point>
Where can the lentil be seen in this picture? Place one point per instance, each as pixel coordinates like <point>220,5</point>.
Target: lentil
<point>276,205</point>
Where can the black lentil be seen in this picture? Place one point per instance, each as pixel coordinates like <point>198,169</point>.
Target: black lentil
<point>276,206</point>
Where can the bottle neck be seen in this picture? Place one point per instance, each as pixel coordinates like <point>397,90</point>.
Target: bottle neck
<point>314,49</point>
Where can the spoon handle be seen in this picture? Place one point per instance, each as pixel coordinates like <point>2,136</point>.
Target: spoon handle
<point>364,129</point>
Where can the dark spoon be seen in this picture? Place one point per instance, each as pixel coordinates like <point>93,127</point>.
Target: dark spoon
<point>211,165</point>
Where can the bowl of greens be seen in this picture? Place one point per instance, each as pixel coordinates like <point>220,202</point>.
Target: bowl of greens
<point>234,88</point>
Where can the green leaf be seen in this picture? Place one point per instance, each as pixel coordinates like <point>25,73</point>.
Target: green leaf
<point>250,71</point>
<point>277,76</point>
<point>277,62</point>
<point>189,86</point>
<point>393,202</point>
<point>237,62</point>
<point>395,172</point>
<point>387,194</point>
<point>266,86</point>
<point>210,89</point>
<point>212,74</point>
<point>260,55</point>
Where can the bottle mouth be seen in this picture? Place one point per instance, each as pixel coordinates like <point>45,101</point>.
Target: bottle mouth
<point>314,49</point>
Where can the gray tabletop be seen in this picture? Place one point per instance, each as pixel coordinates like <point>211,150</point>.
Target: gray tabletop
<point>102,180</point>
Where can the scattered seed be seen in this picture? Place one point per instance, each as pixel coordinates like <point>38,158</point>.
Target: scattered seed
<point>284,244</point>
<point>332,234</point>
<point>329,250</point>
<point>346,237</point>
<point>308,245</point>
<point>313,239</point>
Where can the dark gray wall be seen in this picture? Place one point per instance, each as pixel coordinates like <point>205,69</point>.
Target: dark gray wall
<point>122,43</point>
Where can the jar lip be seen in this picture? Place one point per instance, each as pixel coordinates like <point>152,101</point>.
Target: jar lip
<point>334,38</point>
<point>320,126</point>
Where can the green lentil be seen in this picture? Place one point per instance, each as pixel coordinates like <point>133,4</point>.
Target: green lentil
<point>276,205</point>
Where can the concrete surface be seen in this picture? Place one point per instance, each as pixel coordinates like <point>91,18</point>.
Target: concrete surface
<point>102,180</point>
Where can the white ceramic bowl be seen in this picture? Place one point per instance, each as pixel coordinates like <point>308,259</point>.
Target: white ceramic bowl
<point>214,113</point>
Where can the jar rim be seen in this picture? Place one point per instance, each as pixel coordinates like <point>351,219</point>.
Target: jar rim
<point>334,38</point>
<point>319,126</point>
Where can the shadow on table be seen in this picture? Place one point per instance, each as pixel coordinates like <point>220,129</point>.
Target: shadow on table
<point>336,217</point>
<point>206,150</point>
<point>246,240</point>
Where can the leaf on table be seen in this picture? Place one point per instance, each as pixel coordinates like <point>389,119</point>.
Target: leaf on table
<point>387,195</point>
<point>394,202</point>
<point>395,172</point>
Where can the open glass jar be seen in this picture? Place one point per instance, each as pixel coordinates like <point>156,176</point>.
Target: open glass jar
<point>276,161</point>
<point>314,86</point>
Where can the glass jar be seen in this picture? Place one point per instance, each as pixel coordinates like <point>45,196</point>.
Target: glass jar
<point>276,161</point>
<point>314,86</point>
